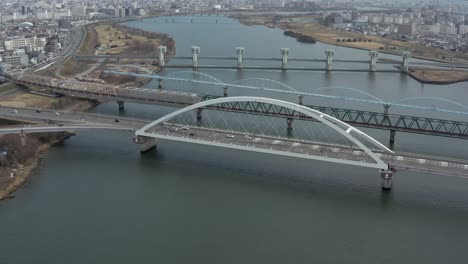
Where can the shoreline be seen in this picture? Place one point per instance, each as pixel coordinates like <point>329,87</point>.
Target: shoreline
<point>358,48</point>
<point>414,72</point>
<point>24,172</point>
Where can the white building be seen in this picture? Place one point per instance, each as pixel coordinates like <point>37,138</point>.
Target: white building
<point>435,28</point>
<point>448,29</point>
<point>462,29</point>
<point>33,43</point>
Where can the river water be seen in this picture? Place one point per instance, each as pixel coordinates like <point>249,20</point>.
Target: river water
<point>95,199</point>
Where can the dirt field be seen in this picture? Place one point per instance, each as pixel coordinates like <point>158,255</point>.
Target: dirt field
<point>438,76</point>
<point>115,41</point>
<point>111,39</point>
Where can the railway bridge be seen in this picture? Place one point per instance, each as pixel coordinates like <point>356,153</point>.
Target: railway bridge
<point>360,118</point>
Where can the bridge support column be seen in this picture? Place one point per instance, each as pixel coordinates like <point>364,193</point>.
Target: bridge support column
<point>405,63</point>
<point>146,143</point>
<point>195,52</point>
<point>162,59</point>
<point>240,56</point>
<point>23,138</point>
<point>160,81</point>
<point>199,114</point>
<point>121,105</point>
<point>392,138</point>
<point>373,60</point>
<point>330,53</point>
<point>290,123</point>
<point>301,99</point>
<point>225,91</point>
<point>387,178</point>
<point>284,55</point>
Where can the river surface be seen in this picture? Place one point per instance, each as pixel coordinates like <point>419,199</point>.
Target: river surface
<point>95,199</point>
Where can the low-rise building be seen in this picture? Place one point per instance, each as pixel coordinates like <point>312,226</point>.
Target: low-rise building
<point>33,43</point>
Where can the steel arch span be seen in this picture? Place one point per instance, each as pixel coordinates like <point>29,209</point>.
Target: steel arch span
<point>280,145</point>
<point>264,83</point>
<point>200,74</point>
<point>132,66</point>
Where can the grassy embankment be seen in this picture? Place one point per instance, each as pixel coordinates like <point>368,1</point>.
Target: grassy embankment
<point>425,75</point>
<point>124,40</point>
<point>437,76</point>
<point>7,87</point>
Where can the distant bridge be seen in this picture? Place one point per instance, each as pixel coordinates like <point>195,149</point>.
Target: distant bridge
<point>239,60</point>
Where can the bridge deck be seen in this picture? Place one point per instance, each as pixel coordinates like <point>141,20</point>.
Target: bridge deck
<point>81,120</point>
<point>308,149</point>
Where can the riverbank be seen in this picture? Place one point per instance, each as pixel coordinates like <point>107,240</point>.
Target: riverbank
<point>347,39</point>
<point>314,32</point>
<point>437,76</point>
<point>25,158</point>
<point>110,38</point>
<point>12,178</point>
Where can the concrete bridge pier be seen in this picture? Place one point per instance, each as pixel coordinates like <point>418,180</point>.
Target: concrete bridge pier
<point>284,54</point>
<point>199,114</point>
<point>160,82</point>
<point>146,143</point>
<point>405,63</point>
<point>195,53</point>
<point>387,178</point>
<point>330,53</point>
<point>23,138</point>
<point>373,60</point>
<point>290,123</point>
<point>301,100</point>
<point>121,105</point>
<point>225,91</point>
<point>392,139</point>
<point>162,52</point>
<point>240,56</point>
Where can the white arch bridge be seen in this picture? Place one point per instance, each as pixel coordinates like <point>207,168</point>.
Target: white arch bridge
<point>207,123</point>
<point>328,139</point>
<point>311,140</point>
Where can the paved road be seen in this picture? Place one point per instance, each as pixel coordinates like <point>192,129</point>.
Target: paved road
<point>299,148</point>
<point>54,118</point>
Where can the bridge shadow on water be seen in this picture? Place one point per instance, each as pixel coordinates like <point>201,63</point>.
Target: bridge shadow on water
<point>352,187</point>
